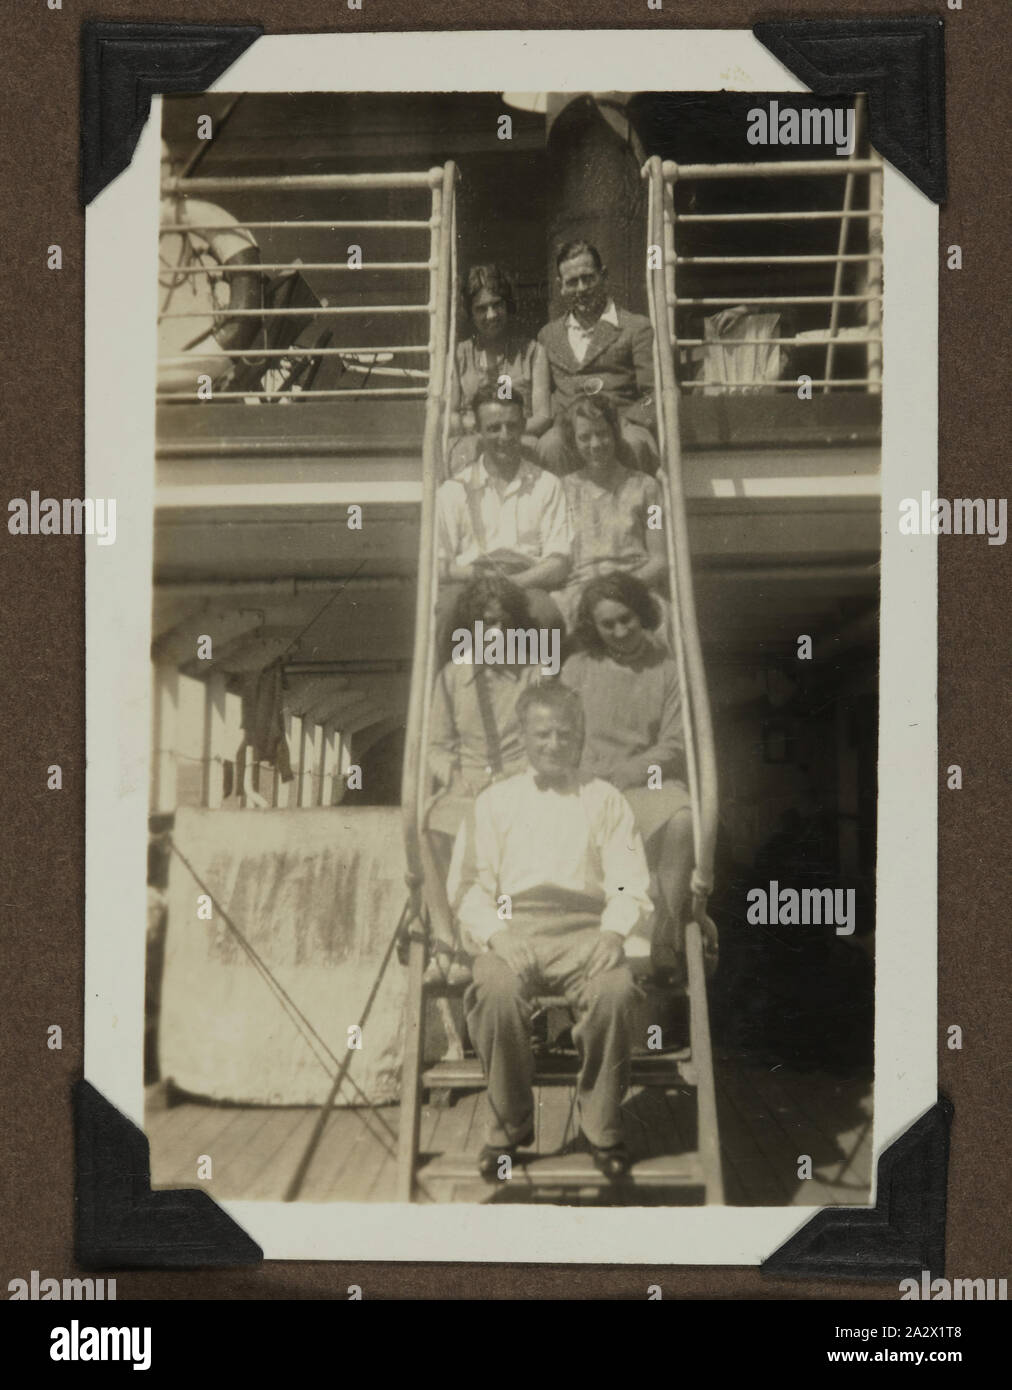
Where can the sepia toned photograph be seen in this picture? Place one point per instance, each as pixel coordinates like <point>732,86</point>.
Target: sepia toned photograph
<point>498,363</point>
<point>504,517</point>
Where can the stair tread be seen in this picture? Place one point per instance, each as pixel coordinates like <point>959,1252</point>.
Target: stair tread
<point>656,1068</point>
<point>575,1169</point>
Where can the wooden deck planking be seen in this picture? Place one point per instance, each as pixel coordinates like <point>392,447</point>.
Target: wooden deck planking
<point>782,1138</point>
<point>825,1100</point>
<point>219,1132</point>
<point>234,1175</point>
<point>351,1138</point>
<point>449,1126</point>
<point>348,1161</point>
<point>284,1140</point>
<point>474,1137</point>
<point>799,1137</point>
<point>763,1179</point>
<point>766,1118</point>
<point>454,1128</point>
<point>190,1115</point>
<point>837,1113</point>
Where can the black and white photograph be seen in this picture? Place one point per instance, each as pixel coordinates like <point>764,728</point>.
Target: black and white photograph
<point>515,526</point>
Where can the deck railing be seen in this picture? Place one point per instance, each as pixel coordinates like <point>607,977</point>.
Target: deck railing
<point>700,751</point>
<point>398,369</point>
<point>414,786</point>
<point>867,301</point>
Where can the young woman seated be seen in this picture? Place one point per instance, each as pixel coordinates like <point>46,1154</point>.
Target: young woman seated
<point>616,513</point>
<point>494,350</point>
<point>634,739</point>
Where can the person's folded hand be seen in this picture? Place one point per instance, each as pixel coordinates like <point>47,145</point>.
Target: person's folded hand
<point>608,952</point>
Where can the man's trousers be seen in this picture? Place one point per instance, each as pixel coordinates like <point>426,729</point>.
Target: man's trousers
<point>498,1010</point>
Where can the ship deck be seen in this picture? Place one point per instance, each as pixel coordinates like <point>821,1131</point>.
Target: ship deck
<point>768,1117</point>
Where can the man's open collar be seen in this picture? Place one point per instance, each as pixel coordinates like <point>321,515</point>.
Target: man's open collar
<point>609,314</point>
<point>477,478</point>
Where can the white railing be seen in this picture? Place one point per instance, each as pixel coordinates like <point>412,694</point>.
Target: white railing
<point>319,749</point>
<point>698,728</point>
<point>700,750</point>
<point>423,878</point>
<point>866,335</point>
<point>259,371</point>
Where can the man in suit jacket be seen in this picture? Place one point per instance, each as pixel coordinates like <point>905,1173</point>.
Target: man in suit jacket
<point>595,347</point>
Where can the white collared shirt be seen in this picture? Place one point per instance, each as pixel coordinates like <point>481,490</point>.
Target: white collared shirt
<point>579,337</point>
<point>580,843</point>
<point>527,523</point>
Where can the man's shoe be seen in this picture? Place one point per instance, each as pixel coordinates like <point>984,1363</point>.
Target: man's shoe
<point>613,1162</point>
<point>488,1159</point>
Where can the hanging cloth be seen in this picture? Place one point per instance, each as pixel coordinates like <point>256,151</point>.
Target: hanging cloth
<point>263,723</point>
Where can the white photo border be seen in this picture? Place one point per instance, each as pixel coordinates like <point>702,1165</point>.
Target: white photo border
<point>120,350</point>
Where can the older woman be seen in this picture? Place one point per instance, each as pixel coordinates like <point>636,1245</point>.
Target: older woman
<point>616,514</point>
<point>494,350</point>
<point>634,739</point>
<point>474,733</point>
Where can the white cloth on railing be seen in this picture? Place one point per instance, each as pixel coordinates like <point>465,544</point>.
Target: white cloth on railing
<point>739,368</point>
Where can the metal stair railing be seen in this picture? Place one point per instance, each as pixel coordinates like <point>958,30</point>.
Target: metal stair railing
<point>700,751</point>
<point>414,778</point>
<point>698,725</point>
<point>425,892</point>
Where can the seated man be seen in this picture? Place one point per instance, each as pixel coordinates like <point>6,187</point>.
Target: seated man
<point>596,348</point>
<point>502,515</point>
<point>550,877</point>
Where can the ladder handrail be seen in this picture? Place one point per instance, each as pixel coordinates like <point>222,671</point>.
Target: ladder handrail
<point>413,780</point>
<point>700,749</point>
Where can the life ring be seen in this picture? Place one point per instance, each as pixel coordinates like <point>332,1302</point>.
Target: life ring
<point>190,238</point>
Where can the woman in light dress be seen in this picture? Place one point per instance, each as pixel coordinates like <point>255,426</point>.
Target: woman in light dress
<point>632,706</point>
<point>616,513</point>
<point>494,352</point>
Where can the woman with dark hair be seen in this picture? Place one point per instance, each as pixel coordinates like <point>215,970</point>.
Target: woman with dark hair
<point>634,738</point>
<point>474,733</point>
<point>616,514</point>
<point>494,350</point>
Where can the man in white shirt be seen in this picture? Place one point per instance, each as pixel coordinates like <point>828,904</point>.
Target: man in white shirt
<point>549,878</point>
<point>597,348</point>
<point>502,515</point>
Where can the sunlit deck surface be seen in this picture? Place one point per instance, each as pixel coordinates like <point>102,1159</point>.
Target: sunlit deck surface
<point>768,1117</point>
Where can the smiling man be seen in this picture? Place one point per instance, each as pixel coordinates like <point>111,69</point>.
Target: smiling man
<point>549,879</point>
<point>596,348</point>
<point>502,515</point>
